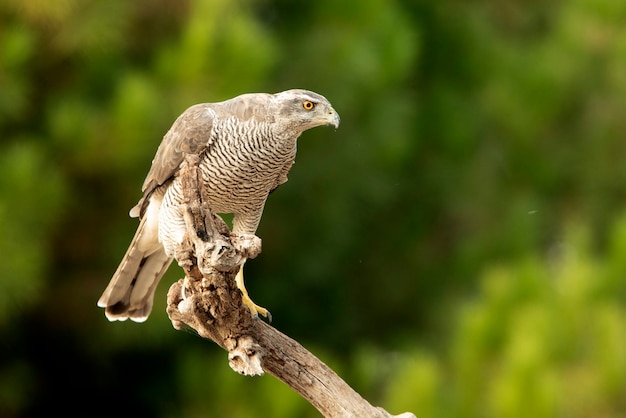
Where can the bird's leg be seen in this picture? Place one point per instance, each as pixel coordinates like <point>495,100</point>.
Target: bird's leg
<point>255,309</point>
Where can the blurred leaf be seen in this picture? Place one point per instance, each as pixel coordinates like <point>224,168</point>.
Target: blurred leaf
<point>32,195</point>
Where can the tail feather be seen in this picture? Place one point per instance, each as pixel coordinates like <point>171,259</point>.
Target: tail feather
<point>130,293</point>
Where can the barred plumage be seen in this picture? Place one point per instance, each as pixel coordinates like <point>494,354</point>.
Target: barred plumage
<point>247,146</point>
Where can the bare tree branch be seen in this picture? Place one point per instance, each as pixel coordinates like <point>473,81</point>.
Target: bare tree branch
<point>208,301</point>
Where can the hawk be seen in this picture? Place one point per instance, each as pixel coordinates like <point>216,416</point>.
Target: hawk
<point>246,146</point>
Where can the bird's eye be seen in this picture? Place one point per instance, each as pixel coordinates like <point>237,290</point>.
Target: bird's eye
<point>308,105</point>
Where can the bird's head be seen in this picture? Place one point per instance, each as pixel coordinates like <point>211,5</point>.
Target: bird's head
<point>300,110</point>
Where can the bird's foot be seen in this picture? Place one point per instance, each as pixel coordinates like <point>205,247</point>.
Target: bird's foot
<point>255,310</point>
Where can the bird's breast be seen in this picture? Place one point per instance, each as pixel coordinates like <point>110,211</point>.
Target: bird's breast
<point>243,165</point>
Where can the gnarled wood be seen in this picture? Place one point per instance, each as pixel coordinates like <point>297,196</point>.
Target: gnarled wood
<point>208,301</point>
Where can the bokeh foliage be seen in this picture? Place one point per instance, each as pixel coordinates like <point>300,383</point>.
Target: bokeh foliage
<point>454,249</point>
<point>542,338</point>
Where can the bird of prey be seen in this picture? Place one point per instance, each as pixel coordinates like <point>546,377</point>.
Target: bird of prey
<point>246,146</point>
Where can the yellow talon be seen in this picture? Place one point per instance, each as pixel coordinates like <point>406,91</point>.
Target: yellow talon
<point>254,309</point>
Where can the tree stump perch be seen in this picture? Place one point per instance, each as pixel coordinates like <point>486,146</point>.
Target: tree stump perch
<point>208,301</point>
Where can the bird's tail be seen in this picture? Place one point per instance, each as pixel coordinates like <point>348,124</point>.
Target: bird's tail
<point>130,293</point>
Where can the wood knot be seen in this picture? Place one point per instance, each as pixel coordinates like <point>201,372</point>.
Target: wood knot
<point>246,358</point>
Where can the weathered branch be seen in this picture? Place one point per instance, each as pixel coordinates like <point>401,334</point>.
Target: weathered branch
<point>208,301</point>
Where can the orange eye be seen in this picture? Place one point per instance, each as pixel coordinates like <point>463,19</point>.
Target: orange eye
<point>308,105</point>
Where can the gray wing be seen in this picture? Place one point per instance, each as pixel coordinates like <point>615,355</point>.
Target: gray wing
<point>190,134</point>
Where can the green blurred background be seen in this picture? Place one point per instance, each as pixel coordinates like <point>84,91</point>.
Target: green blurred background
<point>456,249</point>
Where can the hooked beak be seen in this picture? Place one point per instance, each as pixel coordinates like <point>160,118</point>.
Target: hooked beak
<point>332,118</point>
